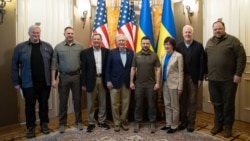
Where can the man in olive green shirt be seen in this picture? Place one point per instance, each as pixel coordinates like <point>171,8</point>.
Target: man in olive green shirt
<point>147,67</point>
<point>226,61</point>
<point>66,60</point>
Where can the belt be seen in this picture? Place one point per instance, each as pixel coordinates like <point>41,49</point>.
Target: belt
<point>70,73</point>
<point>99,75</point>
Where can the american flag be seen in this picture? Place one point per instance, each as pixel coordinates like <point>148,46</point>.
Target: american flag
<point>126,22</point>
<point>100,23</point>
<point>133,24</point>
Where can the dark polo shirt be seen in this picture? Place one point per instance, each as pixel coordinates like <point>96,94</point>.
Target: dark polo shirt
<point>145,63</point>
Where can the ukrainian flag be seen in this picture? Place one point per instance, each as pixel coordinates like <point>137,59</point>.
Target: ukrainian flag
<point>145,26</point>
<point>167,27</point>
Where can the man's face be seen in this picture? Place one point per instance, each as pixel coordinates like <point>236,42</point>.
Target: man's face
<point>69,35</point>
<point>218,30</point>
<point>145,44</point>
<point>35,35</point>
<point>121,42</point>
<point>96,40</point>
<point>187,34</point>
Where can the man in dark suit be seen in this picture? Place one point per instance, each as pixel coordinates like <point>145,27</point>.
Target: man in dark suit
<point>93,81</point>
<point>117,79</point>
<point>193,56</point>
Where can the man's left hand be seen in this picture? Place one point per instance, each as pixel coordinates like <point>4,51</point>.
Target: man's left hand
<point>237,79</point>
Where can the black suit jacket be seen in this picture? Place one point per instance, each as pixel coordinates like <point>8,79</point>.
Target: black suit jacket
<point>196,61</point>
<point>88,68</point>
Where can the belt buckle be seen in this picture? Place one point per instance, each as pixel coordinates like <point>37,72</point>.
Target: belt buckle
<point>99,75</point>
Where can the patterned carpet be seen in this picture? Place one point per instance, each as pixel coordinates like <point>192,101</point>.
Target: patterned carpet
<point>71,134</point>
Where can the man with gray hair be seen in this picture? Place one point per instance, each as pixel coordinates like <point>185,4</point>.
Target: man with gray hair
<point>194,63</point>
<point>118,80</point>
<point>30,73</point>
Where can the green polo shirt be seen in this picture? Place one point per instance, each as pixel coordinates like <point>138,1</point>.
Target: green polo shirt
<point>145,64</point>
<point>66,58</point>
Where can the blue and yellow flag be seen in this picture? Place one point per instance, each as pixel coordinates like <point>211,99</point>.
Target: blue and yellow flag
<point>145,26</point>
<point>167,27</point>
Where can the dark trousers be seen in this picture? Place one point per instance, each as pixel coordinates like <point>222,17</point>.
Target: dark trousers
<point>41,93</point>
<point>188,102</point>
<point>67,83</point>
<point>151,97</point>
<point>222,95</point>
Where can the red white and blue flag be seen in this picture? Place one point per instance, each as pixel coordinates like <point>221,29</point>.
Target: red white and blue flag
<point>127,23</point>
<point>133,24</point>
<point>100,23</point>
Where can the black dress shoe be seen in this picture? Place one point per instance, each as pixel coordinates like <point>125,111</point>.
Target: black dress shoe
<point>45,129</point>
<point>182,126</point>
<point>165,128</point>
<point>30,132</point>
<point>171,130</point>
<point>104,125</point>
<point>90,128</point>
<point>189,129</point>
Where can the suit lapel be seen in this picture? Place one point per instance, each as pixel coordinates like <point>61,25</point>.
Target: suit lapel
<point>128,55</point>
<point>91,54</point>
<point>118,56</point>
<point>103,57</point>
<point>171,60</point>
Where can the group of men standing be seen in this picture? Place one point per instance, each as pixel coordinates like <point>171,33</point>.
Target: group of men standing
<point>36,67</point>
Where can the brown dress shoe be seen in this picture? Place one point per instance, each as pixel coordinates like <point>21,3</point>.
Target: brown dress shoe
<point>124,126</point>
<point>216,129</point>
<point>117,128</point>
<point>227,132</point>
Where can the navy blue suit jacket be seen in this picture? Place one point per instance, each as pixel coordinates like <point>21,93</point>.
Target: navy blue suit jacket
<point>115,71</point>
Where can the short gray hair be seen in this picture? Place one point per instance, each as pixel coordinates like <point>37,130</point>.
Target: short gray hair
<point>33,27</point>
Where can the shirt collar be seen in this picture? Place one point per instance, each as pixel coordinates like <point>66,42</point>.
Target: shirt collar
<point>146,52</point>
<point>122,51</point>
<point>29,42</point>
<point>94,49</point>
<point>188,44</point>
<point>65,43</point>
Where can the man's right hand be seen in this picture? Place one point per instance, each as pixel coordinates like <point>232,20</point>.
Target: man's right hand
<point>132,85</point>
<point>84,88</point>
<point>17,87</point>
<point>109,85</point>
<point>54,84</point>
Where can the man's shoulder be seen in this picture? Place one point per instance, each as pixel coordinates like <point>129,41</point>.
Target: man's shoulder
<point>22,44</point>
<point>105,49</point>
<point>88,49</point>
<point>180,44</point>
<point>114,50</point>
<point>129,50</point>
<point>47,44</point>
<point>60,44</point>
<point>197,44</point>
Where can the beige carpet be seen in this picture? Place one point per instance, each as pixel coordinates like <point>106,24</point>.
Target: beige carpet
<point>71,134</point>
